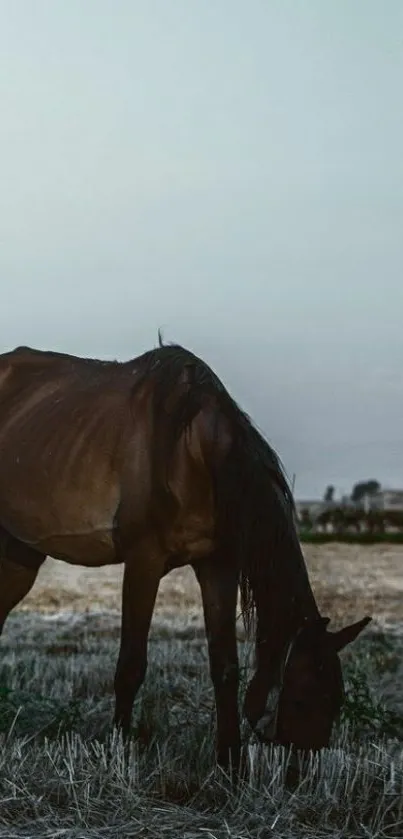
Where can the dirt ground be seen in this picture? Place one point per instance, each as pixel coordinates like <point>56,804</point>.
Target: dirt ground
<point>348,580</point>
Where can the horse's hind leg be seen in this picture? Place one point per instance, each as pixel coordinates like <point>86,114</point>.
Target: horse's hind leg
<point>19,566</point>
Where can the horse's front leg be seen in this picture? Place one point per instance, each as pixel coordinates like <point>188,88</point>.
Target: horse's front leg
<point>219,586</point>
<point>19,566</point>
<point>142,574</point>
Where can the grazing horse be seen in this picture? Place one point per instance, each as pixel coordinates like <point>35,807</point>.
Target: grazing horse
<point>152,464</point>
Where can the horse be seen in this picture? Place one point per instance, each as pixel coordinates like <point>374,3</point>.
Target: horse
<point>151,463</point>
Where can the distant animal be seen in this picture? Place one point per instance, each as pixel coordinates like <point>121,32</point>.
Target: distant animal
<point>152,464</point>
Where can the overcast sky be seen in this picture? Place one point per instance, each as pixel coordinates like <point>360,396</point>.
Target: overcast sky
<point>229,171</point>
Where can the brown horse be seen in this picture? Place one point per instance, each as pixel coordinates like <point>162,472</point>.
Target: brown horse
<point>151,463</point>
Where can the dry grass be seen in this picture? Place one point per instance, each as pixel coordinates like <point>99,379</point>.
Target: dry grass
<point>61,775</point>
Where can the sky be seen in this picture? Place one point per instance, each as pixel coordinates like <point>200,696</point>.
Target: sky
<point>231,172</point>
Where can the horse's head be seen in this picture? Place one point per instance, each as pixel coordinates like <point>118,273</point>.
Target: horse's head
<point>301,708</point>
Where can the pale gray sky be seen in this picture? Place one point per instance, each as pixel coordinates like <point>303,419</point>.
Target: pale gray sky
<point>232,172</point>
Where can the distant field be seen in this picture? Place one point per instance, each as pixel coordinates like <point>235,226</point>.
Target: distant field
<point>57,659</point>
<point>365,538</point>
<point>348,580</point>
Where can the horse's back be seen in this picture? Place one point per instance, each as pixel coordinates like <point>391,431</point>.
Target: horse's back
<point>25,361</point>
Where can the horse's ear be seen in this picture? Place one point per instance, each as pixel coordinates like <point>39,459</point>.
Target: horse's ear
<point>312,633</point>
<point>323,622</point>
<point>317,627</point>
<point>345,636</point>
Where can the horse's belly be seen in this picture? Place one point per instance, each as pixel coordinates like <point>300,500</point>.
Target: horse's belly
<point>68,526</point>
<point>89,549</point>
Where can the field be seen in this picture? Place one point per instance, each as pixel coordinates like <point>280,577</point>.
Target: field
<point>62,776</point>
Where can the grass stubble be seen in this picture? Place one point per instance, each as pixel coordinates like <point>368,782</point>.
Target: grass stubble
<point>64,774</point>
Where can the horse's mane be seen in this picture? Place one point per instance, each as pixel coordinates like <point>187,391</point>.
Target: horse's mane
<point>254,503</point>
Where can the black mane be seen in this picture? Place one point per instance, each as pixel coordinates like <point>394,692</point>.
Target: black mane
<point>254,503</point>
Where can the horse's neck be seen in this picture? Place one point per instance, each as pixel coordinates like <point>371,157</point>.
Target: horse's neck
<point>280,618</point>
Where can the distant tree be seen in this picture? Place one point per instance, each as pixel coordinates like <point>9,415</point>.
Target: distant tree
<point>306,520</point>
<point>364,488</point>
<point>329,494</point>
